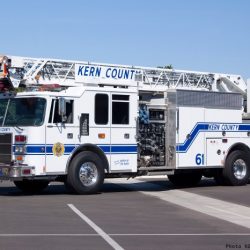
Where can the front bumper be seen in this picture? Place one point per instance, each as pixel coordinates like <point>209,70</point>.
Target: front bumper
<point>8,172</point>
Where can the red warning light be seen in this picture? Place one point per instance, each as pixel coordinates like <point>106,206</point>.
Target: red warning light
<point>20,138</point>
<point>6,85</point>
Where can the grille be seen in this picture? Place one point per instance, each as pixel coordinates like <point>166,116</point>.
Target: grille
<point>206,99</point>
<point>5,148</point>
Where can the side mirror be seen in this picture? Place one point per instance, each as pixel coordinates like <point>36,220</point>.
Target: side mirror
<point>61,107</point>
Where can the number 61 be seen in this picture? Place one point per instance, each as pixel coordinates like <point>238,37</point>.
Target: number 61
<point>199,159</point>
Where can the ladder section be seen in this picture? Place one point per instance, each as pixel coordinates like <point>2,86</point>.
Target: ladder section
<point>153,79</point>
<point>32,71</point>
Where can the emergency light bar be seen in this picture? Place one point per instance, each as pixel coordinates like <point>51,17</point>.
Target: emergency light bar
<point>5,63</point>
<point>5,83</point>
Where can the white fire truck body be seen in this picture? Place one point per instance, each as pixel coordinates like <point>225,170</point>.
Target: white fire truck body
<point>92,121</point>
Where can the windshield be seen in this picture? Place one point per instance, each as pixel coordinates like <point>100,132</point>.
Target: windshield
<point>3,105</point>
<point>22,111</point>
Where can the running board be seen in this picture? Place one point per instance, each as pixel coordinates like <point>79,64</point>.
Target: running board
<point>157,170</point>
<point>169,172</point>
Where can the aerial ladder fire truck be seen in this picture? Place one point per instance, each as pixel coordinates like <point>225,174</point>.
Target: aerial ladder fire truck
<point>80,122</point>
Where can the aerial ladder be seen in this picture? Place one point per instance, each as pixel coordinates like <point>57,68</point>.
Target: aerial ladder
<point>32,72</point>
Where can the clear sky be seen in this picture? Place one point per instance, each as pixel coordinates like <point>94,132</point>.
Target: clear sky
<point>202,35</point>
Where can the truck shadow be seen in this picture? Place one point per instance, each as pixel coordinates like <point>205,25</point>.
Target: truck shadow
<point>109,187</point>
<point>150,186</point>
<point>53,189</point>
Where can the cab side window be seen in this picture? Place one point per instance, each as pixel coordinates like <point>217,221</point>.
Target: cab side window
<point>101,109</point>
<point>54,117</point>
<point>120,109</point>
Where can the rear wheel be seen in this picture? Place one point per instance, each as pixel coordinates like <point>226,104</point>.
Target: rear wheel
<point>237,168</point>
<point>218,177</point>
<point>86,173</point>
<point>31,186</point>
<point>185,179</point>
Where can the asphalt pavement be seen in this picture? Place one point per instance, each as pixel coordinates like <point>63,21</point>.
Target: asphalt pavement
<point>142,213</point>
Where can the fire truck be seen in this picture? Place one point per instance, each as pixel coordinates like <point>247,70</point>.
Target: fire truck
<point>80,122</point>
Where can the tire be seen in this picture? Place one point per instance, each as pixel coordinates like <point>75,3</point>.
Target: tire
<point>237,168</point>
<point>69,188</point>
<point>85,174</point>
<point>185,179</point>
<point>219,178</point>
<point>31,186</point>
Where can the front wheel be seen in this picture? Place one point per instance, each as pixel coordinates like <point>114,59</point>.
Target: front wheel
<point>237,168</point>
<point>85,174</point>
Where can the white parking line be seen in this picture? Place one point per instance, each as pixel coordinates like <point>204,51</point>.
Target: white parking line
<point>223,210</point>
<point>229,212</point>
<point>105,236</point>
<point>49,235</point>
<point>204,234</point>
<point>97,235</point>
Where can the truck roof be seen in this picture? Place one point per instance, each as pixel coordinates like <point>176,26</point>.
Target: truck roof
<point>75,92</point>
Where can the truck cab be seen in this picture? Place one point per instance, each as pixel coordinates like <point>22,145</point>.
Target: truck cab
<point>43,131</point>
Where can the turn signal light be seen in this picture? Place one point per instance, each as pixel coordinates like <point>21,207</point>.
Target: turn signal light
<point>101,136</point>
<point>19,158</point>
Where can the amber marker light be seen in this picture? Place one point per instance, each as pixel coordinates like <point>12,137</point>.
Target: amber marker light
<point>101,136</point>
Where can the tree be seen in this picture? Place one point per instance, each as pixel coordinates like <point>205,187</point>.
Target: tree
<point>170,66</point>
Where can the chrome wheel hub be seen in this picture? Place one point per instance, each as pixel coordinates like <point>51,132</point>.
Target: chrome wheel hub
<point>88,173</point>
<point>239,169</point>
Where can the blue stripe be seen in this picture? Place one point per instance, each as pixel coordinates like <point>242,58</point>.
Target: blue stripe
<point>124,149</point>
<point>183,147</point>
<point>35,149</point>
<point>244,127</point>
<point>105,149</point>
<point>201,127</point>
<point>67,149</point>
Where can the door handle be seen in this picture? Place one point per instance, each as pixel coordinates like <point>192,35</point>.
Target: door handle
<point>126,136</point>
<point>70,135</point>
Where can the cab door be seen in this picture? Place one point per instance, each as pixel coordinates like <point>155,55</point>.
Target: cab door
<point>123,132</point>
<point>98,105</point>
<point>60,137</point>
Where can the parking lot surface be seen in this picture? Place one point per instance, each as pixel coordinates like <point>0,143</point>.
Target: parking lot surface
<point>142,213</point>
